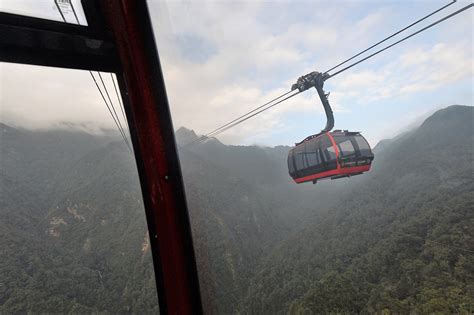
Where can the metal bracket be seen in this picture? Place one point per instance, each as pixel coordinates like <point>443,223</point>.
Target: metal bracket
<point>316,79</point>
<point>310,80</point>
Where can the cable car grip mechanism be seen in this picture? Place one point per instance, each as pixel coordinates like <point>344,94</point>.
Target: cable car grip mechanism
<point>316,79</point>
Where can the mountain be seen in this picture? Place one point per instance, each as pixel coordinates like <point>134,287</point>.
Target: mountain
<point>73,232</point>
<point>185,136</point>
<point>236,218</point>
<point>401,241</point>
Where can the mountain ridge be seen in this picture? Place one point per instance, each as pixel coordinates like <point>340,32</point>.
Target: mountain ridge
<point>263,244</point>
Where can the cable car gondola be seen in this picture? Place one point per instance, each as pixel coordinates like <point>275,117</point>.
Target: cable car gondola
<point>332,155</point>
<point>327,154</point>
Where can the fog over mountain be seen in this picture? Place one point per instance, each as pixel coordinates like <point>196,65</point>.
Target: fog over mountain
<point>73,234</point>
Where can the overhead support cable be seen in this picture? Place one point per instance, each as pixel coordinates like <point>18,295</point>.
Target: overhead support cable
<point>215,131</point>
<point>248,117</point>
<point>113,108</point>
<point>110,111</point>
<point>391,36</point>
<point>119,100</point>
<point>403,39</point>
<point>252,111</point>
<point>116,117</point>
<point>262,108</point>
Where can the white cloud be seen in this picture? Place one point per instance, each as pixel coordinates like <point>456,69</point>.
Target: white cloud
<point>206,95</point>
<point>418,70</point>
<point>44,97</point>
<point>250,52</point>
<point>250,55</point>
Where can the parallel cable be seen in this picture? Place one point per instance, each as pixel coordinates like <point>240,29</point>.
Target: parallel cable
<point>391,36</point>
<point>211,133</point>
<point>403,39</point>
<point>105,88</point>
<point>119,100</point>
<point>257,110</point>
<point>117,121</point>
<point>261,108</point>
<point>110,111</point>
<point>254,114</point>
<point>113,108</point>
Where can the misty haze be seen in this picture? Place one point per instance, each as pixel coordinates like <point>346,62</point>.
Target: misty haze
<point>259,161</point>
<point>71,208</point>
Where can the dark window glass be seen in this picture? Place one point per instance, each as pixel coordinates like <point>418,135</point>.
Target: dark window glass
<point>300,161</point>
<point>328,149</point>
<point>346,148</point>
<point>291,167</point>
<point>312,153</point>
<point>363,145</point>
<point>320,156</point>
<point>332,153</point>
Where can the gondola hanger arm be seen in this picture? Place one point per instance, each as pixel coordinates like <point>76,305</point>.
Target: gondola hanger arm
<point>316,79</point>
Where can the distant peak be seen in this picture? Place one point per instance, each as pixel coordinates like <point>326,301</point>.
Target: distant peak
<point>455,109</point>
<point>185,130</point>
<point>185,135</point>
<point>454,113</point>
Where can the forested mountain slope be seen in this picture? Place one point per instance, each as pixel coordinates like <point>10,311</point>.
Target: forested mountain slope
<point>73,233</point>
<point>400,241</point>
<point>242,204</point>
<point>72,225</point>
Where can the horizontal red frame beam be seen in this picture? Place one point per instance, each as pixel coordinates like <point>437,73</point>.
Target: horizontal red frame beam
<point>335,172</point>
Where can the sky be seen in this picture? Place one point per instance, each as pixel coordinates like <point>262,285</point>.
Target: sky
<point>221,59</point>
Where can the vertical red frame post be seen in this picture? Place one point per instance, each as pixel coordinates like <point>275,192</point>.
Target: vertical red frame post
<point>145,100</point>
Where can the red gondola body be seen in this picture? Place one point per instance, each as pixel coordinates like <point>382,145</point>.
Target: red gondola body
<point>330,155</point>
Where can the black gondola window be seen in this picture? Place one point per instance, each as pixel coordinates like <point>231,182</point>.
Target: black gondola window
<point>346,148</point>
<point>300,160</point>
<point>291,166</point>
<point>364,147</point>
<point>312,155</point>
<point>328,149</point>
<point>329,153</point>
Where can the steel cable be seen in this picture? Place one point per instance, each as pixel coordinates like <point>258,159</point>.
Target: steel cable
<point>117,121</point>
<point>391,36</point>
<point>248,117</point>
<point>241,119</point>
<point>211,133</point>
<point>403,39</point>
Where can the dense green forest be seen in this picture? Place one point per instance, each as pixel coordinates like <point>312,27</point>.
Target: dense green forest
<point>398,239</point>
<point>72,227</point>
